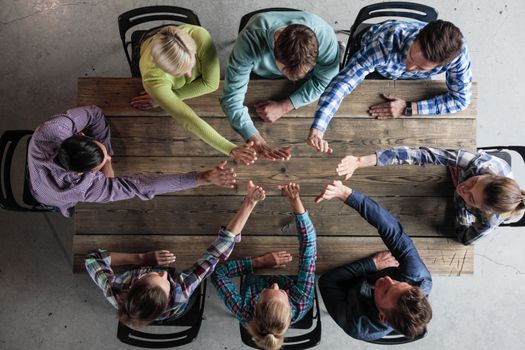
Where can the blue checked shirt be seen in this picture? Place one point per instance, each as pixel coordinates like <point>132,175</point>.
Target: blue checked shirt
<point>471,223</point>
<point>300,291</point>
<point>183,284</point>
<point>384,48</point>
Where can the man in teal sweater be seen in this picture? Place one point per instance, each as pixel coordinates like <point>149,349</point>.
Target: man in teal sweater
<point>294,45</point>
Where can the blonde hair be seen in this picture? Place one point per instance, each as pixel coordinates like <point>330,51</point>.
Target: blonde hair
<point>504,196</point>
<point>173,50</point>
<point>269,324</point>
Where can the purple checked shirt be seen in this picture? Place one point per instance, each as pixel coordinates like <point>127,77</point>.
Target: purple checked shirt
<point>52,185</point>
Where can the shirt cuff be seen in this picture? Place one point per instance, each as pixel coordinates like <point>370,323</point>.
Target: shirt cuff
<point>248,131</point>
<point>355,199</point>
<point>247,265</point>
<point>298,101</point>
<point>223,232</point>
<point>304,217</point>
<point>369,265</point>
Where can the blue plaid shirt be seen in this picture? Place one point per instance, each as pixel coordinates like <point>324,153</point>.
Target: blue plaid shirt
<point>471,223</point>
<point>384,48</point>
<point>183,284</point>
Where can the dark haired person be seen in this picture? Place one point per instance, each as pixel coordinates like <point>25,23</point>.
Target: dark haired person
<point>485,195</point>
<point>151,291</point>
<point>388,290</point>
<point>295,45</point>
<point>401,50</point>
<point>69,161</point>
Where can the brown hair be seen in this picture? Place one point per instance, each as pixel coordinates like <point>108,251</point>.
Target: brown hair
<point>173,50</point>
<point>297,49</point>
<point>412,313</point>
<point>440,41</point>
<point>504,196</point>
<point>269,324</point>
<point>144,303</point>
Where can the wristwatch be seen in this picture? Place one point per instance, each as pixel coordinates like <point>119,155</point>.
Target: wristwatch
<point>408,109</point>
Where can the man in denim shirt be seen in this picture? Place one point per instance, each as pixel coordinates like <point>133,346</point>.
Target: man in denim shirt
<point>370,297</point>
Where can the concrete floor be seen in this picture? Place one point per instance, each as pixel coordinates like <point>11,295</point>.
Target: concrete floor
<point>47,44</point>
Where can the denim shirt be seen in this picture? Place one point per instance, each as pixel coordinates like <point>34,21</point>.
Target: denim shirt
<point>362,314</point>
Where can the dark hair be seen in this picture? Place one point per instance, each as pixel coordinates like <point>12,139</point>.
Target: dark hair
<point>144,303</point>
<point>503,195</point>
<point>412,313</point>
<point>297,49</point>
<point>440,41</point>
<point>79,153</point>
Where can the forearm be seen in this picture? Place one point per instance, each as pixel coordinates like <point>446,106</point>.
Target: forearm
<point>126,258</point>
<point>237,223</point>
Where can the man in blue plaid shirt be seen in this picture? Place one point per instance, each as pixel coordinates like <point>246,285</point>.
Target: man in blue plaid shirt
<point>401,50</point>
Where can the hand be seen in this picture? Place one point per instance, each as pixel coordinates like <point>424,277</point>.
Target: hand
<point>107,169</point>
<point>272,259</point>
<point>384,259</point>
<point>269,152</point>
<point>394,108</point>
<point>254,193</point>
<point>245,154</point>
<point>334,190</point>
<point>218,176</point>
<point>291,190</point>
<point>315,139</point>
<point>143,102</point>
<point>347,166</point>
<point>271,111</point>
<point>158,258</point>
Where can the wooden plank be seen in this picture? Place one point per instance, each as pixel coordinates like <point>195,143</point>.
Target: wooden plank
<point>443,257</point>
<point>203,215</point>
<point>113,96</point>
<point>312,175</point>
<point>163,136</point>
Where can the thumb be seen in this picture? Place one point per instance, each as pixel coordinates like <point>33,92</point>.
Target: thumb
<point>249,144</point>
<point>389,97</point>
<point>318,199</point>
<point>221,164</point>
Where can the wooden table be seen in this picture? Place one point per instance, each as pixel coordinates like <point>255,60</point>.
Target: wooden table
<point>186,222</point>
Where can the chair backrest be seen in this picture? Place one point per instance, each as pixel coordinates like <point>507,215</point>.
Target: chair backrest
<point>400,9</point>
<point>8,144</point>
<point>302,341</point>
<point>191,320</point>
<point>503,153</point>
<point>395,338</point>
<point>248,16</point>
<point>127,20</point>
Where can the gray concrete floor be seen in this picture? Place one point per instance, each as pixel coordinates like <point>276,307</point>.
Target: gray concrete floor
<point>47,44</point>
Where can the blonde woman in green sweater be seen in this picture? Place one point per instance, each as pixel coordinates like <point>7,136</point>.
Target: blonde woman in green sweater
<point>179,63</point>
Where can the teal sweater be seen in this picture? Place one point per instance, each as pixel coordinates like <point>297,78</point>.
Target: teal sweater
<point>253,51</point>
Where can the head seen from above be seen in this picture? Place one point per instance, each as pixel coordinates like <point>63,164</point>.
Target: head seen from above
<point>296,50</point>
<point>146,300</point>
<point>173,50</point>
<point>492,194</point>
<point>437,44</point>
<point>402,306</point>
<point>271,319</point>
<point>82,154</point>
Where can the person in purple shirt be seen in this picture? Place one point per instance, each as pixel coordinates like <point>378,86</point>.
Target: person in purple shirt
<point>69,161</point>
<point>389,290</point>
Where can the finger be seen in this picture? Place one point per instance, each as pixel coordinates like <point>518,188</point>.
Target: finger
<point>319,198</point>
<point>386,109</point>
<point>379,106</point>
<point>389,97</point>
<point>221,164</point>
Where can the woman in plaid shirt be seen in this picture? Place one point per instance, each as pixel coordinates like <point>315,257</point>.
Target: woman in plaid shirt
<point>486,193</point>
<point>267,305</point>
<point>152,292</point>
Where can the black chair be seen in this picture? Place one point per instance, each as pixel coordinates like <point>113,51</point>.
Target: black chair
<point>400,9</point>
<point>127,20</point>
<point>8,144</point>
<point>298,342</point>
<point>191,321</point>
<point>503,153</point>
<point>248,16</point>
<point>396,338</point>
